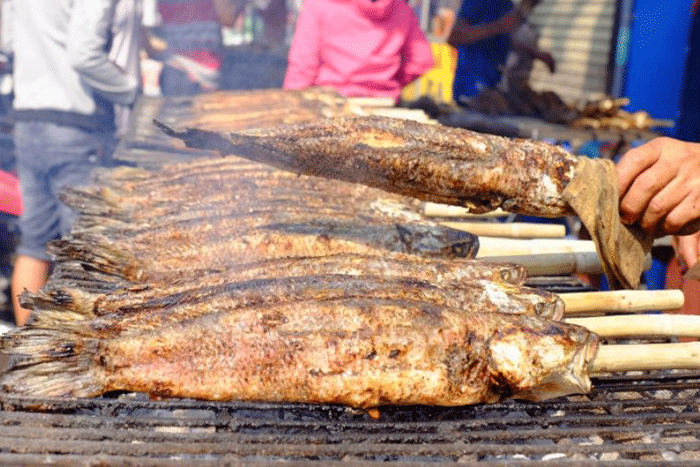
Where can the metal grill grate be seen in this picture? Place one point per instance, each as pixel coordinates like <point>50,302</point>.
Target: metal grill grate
<point>651,419</point>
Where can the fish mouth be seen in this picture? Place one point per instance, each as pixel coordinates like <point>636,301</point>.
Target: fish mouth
<point>557,309</point>
<point>571,379</point>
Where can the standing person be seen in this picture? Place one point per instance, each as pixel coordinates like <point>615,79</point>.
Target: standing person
<point>524,51</point>
<point>481,35</point>
<point>65,88</point>
<point>192,31</point>
<point>359,47</point>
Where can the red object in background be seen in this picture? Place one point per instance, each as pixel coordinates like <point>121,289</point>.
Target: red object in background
<point>10,196</point>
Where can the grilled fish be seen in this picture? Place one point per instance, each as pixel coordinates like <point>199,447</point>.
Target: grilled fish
<point>440,164</point>
<point>71,274</point>
<point>168,254</point>
<point>165,305</point>
<point>358,352</point>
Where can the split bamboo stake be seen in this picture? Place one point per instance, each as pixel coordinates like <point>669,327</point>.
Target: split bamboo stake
<point>372,101</point>
<point>624,301</point>
<point>649,325</point>
<point>645,357</point>
<point>510,229</point>
<point>494,246</point>
<point>554,264</point>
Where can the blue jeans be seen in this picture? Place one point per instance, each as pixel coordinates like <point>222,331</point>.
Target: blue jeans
<point>50,157</point>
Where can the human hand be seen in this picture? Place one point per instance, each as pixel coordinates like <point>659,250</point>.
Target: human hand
<point>660,185</point>
<point>688,249</point>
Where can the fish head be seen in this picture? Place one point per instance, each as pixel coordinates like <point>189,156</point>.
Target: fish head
<point>542,359</point>
<point>529,301</point>
<point>437,241</point>
<point>512,273</point>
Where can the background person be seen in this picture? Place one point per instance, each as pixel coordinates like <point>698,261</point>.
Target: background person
<point>65,90</point>
<point>191,32</point>
<point>481,35</point>
<point>358,47</point>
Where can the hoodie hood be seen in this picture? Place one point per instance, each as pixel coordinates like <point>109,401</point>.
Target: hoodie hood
<point>374,10</point>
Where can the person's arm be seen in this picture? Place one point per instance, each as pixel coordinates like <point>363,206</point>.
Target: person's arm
<point>660,185</point>
<point>6,27</point>
<point>88,32</point>
<point>416,55</point>
<point>228,11</point>
<point>304,52</point>
<point>463,33</point>
<point>535,52</point>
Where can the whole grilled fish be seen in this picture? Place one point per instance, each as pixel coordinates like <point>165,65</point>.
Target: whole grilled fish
<point>166,197</point>
<point>429,162</point>
<point>171,253</point>
<point>162,305</point>
<point>358,352</point>
<point>72,275</point>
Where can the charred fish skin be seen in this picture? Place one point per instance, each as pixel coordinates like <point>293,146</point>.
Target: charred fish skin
<point>362,353</point>
<point>429,162</point>
<point>204,244</point>
<point>449,273</point>
<point>121,313</point>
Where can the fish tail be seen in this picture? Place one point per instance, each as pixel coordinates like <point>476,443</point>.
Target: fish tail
<point>52,362</point>
<point>97,252</point>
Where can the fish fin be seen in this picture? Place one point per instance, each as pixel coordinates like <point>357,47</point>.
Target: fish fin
<point>51,362</point>
<point>202,139</point>
<point>61,299</point>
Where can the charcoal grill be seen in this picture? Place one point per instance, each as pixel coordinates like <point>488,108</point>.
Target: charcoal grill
<point>642,420</point>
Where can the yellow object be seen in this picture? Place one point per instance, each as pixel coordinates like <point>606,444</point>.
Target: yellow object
<point>436,82</point>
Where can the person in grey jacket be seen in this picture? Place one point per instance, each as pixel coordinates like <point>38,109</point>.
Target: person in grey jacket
<point>66,87</point>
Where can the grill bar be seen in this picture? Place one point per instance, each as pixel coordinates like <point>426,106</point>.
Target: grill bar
<point>651,419</point>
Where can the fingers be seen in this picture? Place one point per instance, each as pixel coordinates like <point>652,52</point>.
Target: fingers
<point>649,185</point>
<point>634,162</point>
<point>685,212</point>
<point>665,196</point>
<point>688,249</point>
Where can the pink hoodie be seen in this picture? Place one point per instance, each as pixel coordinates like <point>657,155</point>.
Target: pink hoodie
<point>358,47</point>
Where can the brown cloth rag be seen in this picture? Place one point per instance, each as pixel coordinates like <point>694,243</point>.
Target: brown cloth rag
<point>593,194</point>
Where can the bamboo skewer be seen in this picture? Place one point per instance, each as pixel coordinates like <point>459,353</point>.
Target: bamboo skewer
<point>510,229</point>
<point>625,301</point>
<point>554,264</point>
<point>660,325</point>
<point>372,101</point>
<point>494,246</point>
<point>644,357</point>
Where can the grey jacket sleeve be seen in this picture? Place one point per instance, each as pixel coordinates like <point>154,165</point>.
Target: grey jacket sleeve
<point>88,32</point>
<point>6,26</point>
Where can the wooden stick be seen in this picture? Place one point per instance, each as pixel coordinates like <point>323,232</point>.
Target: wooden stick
<point>643,357</point>
<point>445,210</point>
<point>372,101</point>
<point>554,264</point>
<point>494,246</point>
<point>396,112</point>
<point>510,229</point>
<point>626,301</point>
<point>661,325</point>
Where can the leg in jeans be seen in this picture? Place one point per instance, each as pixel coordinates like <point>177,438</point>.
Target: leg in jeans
<point>49,157</point>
